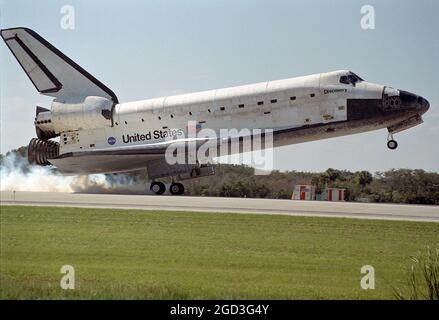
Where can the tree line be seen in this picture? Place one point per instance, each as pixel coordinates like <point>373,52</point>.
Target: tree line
<point>414,186</point>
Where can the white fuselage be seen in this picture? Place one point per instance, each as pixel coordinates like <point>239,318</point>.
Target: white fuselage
<point>277,105</point>
<point>130,135</point>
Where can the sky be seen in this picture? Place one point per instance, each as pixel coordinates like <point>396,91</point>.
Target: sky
<point>146,49</point>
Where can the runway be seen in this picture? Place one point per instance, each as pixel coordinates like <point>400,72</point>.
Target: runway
<point>221,205</point>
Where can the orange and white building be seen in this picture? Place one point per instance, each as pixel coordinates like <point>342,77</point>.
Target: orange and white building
<point>334,194</point>
<point>304,192</point>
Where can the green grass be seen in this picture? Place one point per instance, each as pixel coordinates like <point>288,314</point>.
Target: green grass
<point>133,254</point>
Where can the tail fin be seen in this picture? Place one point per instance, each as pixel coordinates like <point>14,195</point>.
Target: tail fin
<point>51,72</point>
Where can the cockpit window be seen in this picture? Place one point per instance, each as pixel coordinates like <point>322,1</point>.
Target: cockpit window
<point>350,78</point>
<point>344,79</point>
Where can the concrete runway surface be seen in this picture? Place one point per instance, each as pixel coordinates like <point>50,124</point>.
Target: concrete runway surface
<point>236,205</point>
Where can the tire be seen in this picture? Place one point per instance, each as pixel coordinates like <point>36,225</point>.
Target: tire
<point>176,189</point>
<point>392,144</point>
<point>157,187</point>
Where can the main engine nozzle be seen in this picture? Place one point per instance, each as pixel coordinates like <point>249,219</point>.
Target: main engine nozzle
<point>40,151</point>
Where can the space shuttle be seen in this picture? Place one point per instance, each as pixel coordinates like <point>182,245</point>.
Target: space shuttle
<point>87,130</point>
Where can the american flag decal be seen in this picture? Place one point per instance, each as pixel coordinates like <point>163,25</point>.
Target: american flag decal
<point>193,128</point>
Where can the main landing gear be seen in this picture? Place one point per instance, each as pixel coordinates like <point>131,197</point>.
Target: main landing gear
<point>391,144</point>
<point>176,188</point>
<point>158,188</point>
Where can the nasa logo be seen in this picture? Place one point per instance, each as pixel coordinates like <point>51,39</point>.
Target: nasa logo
<point>111,140</point>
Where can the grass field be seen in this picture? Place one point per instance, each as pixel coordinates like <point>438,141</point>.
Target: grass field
<point>131,254</point>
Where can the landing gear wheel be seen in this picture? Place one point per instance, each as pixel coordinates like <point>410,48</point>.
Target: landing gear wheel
<point>157,187</point>
<point>176,189</point>
<point>392,144</point>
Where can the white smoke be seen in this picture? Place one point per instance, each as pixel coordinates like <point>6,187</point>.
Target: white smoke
<point>16,174</point>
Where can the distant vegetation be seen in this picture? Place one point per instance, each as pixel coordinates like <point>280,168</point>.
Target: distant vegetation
<point>397,185</point>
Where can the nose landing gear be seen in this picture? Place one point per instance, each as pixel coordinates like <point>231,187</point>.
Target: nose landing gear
<point>391,144</point>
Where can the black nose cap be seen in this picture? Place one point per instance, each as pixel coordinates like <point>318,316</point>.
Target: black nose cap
<point>423,104</point>
<point>411,100</point>
<point>408,99</point>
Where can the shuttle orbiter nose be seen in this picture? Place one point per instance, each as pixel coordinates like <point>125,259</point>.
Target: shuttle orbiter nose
<point>423,105</point>
<point>411,100</point>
